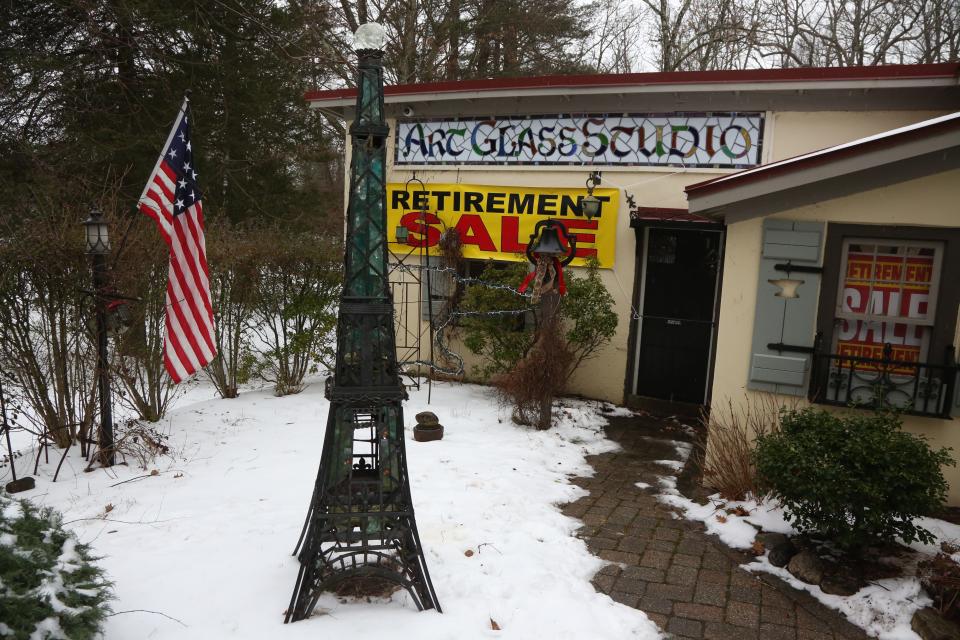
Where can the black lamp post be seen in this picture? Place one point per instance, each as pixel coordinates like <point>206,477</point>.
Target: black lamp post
<point>98,246</point>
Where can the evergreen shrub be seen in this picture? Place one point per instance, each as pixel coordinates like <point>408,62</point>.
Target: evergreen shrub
<point>49,585</point>
<point>854,479</point>
<point>588,321</point>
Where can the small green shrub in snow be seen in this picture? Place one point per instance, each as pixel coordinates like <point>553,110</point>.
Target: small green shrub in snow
<point>50,588</point>
<point>856,479</point>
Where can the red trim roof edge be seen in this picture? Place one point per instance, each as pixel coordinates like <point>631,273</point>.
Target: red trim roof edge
<point>796,74</point>
<point>788,165</point>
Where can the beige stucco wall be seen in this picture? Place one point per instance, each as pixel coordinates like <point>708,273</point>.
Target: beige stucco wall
<point>790,133</point>
<point>786,134</point>
<point>929,201</point>
<point>603,376</point>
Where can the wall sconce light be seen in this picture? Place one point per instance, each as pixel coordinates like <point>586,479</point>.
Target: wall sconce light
<point>788,287</point>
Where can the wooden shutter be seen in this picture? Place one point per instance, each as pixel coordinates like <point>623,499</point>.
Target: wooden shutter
<point>790,322</point>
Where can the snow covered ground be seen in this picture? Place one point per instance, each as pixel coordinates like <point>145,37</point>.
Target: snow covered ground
<point>883,608</point>
<point>202,548</point>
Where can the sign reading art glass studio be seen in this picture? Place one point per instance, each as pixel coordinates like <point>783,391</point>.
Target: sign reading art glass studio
<point>731,140</point>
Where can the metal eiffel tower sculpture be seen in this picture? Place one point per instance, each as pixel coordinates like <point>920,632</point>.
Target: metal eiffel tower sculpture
<point>361,522</point>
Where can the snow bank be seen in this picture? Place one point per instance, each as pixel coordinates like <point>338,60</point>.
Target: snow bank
<point>883,608</point>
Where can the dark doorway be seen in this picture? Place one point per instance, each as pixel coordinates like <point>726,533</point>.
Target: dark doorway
<point>675,329</point>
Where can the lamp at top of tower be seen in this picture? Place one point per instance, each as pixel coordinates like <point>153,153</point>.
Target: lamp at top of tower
<point>370,36</point>
<point>590,204</point>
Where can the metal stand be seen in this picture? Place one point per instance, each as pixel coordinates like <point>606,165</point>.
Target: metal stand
<point>103,362</point>
<point>361,522</point>
<point>23,484</point>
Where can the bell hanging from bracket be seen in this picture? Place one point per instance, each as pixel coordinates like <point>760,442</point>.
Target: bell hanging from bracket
<point>547,241</point>
<point>547,254</point>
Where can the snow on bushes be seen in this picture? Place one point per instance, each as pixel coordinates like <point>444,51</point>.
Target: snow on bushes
<point>50,588</point>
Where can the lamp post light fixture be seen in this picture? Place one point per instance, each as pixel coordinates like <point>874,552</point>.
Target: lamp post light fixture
<point>98,246</point>
<point>98,233</point>
<point>403,234</point>
<point>590,204</point>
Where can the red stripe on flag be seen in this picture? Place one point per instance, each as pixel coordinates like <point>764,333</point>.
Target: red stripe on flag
<point>196,231</point>
<point>193,326</point>
<point>194,261</point>
<point>190,292</point>
<point>172,343</point>
<point>186,328</point>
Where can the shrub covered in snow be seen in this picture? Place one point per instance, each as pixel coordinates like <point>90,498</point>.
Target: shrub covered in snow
<point>49,586</point>
<point>854,478</point>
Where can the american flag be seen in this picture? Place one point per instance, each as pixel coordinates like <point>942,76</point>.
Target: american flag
<point>172,199</point>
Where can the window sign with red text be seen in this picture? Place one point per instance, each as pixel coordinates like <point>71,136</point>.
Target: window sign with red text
<point>887,297</point>
<point>495,222</point>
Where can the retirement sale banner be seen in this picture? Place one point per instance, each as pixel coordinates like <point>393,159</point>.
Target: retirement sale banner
<point>496,222</point>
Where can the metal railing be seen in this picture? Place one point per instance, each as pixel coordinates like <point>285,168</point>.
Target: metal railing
<point>916,388</point>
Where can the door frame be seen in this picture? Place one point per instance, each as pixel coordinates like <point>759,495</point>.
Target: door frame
<point>636,308</point>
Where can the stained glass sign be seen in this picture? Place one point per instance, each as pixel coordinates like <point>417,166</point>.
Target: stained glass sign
<point>730,140</point>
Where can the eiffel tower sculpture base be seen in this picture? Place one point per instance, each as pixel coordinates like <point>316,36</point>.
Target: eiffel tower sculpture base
<point>361,526</point>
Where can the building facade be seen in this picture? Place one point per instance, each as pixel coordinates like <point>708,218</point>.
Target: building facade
<point>492,157</point>
<point>841,280</point>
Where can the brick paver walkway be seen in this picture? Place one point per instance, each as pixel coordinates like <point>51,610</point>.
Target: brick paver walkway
<point>686,581</point>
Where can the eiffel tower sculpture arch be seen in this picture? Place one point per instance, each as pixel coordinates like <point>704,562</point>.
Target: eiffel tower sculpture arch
<point>360,523</point>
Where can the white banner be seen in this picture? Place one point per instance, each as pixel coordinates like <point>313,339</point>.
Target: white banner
<point>730,140</point>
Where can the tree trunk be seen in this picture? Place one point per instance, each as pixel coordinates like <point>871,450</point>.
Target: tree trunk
<point>549,306</point>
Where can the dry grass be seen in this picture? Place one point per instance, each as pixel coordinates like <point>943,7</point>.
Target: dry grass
<point>538,378</point>
<point>727,461</point>
<point>366,587</point>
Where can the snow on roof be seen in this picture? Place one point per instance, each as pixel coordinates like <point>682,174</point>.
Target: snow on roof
<point>811,157</point>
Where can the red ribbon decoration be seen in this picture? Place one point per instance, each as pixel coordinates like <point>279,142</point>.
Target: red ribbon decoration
<point>558,269</point>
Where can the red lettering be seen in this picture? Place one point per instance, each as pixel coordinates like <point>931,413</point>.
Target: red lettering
<point>471,229</point>
<point>583,252</point>
<point>710,149</point>
<point>510,235</point>
<point>421,224</point>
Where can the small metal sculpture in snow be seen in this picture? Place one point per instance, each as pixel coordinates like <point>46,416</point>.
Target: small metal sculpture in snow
<point>361,522</point>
